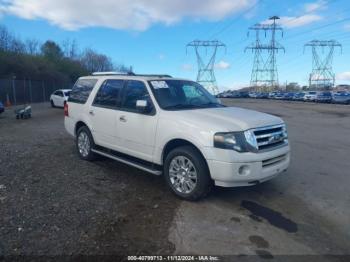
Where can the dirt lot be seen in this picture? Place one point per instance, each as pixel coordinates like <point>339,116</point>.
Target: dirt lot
<point>52,203</point>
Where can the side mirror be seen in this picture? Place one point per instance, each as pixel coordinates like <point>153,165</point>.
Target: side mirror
<point>142,106</point>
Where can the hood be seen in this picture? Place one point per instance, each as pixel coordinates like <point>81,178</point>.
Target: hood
<point>227,119</point>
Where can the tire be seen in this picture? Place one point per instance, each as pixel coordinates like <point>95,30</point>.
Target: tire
<point>84,144</point>
<point>52,104</point>
<point>201,184</point>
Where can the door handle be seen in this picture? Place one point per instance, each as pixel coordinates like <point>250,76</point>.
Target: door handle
<point>122,119</point>
<point>91,112</point>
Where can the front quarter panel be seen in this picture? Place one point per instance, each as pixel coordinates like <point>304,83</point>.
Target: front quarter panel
<point>174,128</point>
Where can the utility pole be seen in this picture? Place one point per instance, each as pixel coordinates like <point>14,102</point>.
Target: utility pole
<point>264,73</point>
<point>206,75</point>
<point>322,76</point>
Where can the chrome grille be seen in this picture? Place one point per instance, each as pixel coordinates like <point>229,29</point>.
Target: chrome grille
<point>270,137</point>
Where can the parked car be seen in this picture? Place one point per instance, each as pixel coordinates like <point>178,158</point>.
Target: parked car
<point>324,97</point>
<point>234,94</point>
<point>310,96</point>
<point>288,96</point>
<point>299,96</point>
<point>341,98</point>
<point>253,94</point>
<point>59,97</point>
<point>272,95</point>
<point>2,108</point>
<point>279,95</point>
<point>244,94</point>
<point>175,128</point>
<point>263,95</point>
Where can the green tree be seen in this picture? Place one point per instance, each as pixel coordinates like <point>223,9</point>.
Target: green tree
<point>51,51</point>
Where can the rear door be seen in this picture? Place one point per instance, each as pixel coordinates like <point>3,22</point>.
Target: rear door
<point>137,129</point>
<point>103,114</point>
<point>58,98</point>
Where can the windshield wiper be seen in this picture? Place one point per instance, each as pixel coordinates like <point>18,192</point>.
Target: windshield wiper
<point>189,106</point>
<point>211,104</point>
<point>180,106</point>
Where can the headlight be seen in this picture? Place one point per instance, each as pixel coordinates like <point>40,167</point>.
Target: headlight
<point>232,140</point>
<point>251,140</point>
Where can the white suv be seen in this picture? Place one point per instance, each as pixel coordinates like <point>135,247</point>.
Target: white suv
<point>176,128</point>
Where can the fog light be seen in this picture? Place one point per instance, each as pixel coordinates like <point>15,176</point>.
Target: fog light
<point>244,170</point>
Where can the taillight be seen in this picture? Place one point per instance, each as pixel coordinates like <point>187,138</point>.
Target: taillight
<point>66,109</point>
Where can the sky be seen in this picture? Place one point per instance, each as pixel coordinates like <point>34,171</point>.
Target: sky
<point>151,35</point>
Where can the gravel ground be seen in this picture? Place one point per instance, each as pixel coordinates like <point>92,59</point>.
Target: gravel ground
<point>53,203</point>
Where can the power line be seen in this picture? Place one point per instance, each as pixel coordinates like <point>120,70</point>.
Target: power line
<point>320,27</point>
<point>235,20</point>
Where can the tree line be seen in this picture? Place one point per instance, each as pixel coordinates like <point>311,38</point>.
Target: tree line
<point>31,59</point>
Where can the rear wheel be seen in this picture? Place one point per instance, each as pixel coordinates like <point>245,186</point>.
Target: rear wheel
<point>85,144</point>
<point>187,174</point>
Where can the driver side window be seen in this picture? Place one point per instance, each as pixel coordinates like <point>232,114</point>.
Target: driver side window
<point>136,90</point>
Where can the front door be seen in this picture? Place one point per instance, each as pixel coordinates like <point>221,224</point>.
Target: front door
<point>137,129</point>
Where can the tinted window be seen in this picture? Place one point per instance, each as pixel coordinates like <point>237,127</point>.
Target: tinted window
<point>67,93</point>
<point>180,95</point>
<point>58,93</point>
<point>82,90</point>
<point>108,94</point>
<point>134,91</point>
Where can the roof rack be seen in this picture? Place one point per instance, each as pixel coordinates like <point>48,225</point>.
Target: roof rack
<point>115,73</point>
<point>110,73</point>
<point>153,75</point>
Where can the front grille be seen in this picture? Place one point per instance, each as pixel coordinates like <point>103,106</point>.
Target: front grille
<point>270,137</point>
<point>273,161</point>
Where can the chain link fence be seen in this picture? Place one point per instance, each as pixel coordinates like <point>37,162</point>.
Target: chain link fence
<point>29,91</point>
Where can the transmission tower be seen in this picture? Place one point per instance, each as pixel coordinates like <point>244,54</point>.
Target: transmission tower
<point>206,54</point>
<point>264,73</point>
<point>322,76</point>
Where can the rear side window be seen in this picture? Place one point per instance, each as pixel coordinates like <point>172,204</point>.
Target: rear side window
<point>82,90</point>
<point>58,93</point>
<point>109,93</point>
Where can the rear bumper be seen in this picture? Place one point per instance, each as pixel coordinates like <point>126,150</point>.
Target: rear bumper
<point>245,172</point>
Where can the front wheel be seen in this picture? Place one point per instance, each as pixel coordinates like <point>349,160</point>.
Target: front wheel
<point>187,174</point>
<point>85,144</point>
<point>52,104</point>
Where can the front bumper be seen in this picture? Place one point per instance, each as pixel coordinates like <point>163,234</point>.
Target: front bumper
<point>247,169</point>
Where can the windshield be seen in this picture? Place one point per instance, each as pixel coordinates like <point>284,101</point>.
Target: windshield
<point>182,94</point>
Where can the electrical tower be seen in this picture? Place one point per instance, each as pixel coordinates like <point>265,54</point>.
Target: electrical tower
<point>206,54</point>
<point>264,73</point>
<point>322,76</point>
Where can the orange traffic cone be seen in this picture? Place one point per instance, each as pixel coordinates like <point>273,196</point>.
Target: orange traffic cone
<point>8,102</point>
